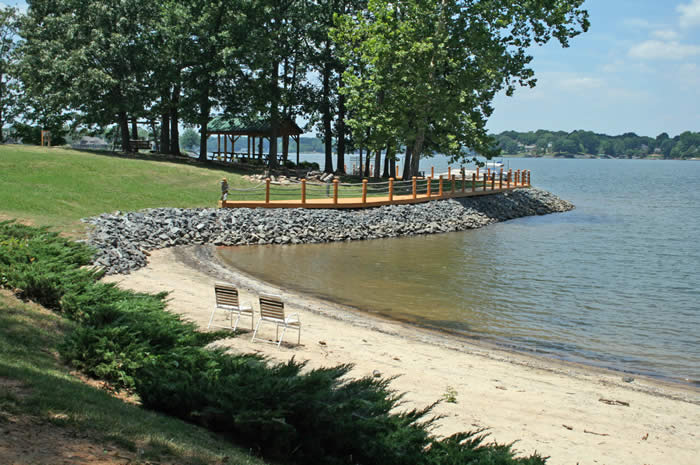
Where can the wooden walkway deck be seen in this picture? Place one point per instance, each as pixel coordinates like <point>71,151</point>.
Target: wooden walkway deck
<point>371,202</point>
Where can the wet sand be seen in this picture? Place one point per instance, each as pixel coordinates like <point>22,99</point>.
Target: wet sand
<point>571,412</point>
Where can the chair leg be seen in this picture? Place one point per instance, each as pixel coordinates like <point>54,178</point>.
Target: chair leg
<point>256,330</point>
<point>237,318</point>
<point>279,342</point>
<point>211,318</point>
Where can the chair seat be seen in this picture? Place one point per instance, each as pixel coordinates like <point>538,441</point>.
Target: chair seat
<point>226,296</point>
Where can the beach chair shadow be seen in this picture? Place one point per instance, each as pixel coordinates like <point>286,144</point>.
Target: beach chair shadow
<point>227,302</point>
<point>272,311</point>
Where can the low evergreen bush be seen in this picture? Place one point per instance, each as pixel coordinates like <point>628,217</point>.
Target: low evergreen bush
<point>283,410</point>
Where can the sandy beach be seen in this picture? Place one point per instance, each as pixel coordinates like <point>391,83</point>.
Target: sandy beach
<point>570,412</point>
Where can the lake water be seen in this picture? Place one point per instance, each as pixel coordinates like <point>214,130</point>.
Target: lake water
<point>614,283</point>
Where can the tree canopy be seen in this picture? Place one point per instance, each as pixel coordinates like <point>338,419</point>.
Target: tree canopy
<point>412,75</point>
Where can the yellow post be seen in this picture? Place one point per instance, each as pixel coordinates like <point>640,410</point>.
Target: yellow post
<point>414,186</point>
<point>428,187</point>
<point>440,187</point>
<point>335,191</point>
<point>391,189</point>
<point>473,182</point>
<point>267,190</point>
<point>485,183</point>
<point>303,191</point>
<point>364,191</point>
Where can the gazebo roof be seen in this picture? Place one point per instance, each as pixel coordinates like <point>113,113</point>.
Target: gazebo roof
<point>251,127</point>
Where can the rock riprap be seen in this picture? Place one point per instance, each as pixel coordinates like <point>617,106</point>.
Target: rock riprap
<point>123,240</point>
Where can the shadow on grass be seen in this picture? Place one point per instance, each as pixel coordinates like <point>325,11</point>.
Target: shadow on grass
<point>29,363</point>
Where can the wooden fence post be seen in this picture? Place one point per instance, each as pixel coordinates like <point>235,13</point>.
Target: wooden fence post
<point>529,181</point>
<point>428,191</point>
<point>335,191</point>
<point>485,183</point>
<point>432,171</point>
<point>508,180</point>
<point>267,190</point>
<point>440,187</point>
<point>391,189</point>
<point>303,191</point>
<point>473,182</point>
<point>449,172</point>
<point>493,181</point>
<point>453,183</point>
<point>414,186</point>
<point>364,191</point>
<point>477,171</point>
<point>500,180</point>
<point>464,180</point>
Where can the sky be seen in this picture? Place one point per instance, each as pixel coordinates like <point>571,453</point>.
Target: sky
<point>637,69</point>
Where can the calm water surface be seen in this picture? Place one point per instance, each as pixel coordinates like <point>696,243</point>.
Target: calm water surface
<point>613,283</point>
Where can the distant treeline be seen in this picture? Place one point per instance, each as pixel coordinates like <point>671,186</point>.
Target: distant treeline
<point>628,145</point>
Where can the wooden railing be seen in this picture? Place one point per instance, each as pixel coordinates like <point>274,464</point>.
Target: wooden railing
<point>392,192</point>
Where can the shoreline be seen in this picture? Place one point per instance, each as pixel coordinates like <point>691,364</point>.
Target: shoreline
<point>555,407</point>
<point>204,259</point>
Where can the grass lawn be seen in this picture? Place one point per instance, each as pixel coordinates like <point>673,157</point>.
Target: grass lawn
<point>57,187</point>
<point>38,393</point>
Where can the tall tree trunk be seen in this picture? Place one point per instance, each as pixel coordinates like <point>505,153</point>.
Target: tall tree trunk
<point>124,128</point>
<point>134,129</point>
<point>204,109</point>
<point>165,133</point>
<point>326,110</point>
<point>378,163</point>
<point>367,159</point>
<point>360,160</point>
<point>407,173</point>
<point>174,121</point>
<point>385,172</point>
<point>274,116</point>
<point>418,148</point>
<point>340,125</point>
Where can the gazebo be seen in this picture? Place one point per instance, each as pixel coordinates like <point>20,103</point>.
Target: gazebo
<point>233,128</point>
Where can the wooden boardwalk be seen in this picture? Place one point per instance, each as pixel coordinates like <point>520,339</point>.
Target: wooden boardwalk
<point>370,202</point>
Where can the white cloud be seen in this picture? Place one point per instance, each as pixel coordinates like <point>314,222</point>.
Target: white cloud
<point>665,34</point>
<point>637,23</point>
<point>665,50</point>
<point>581,83</point>
<point>690,13</point>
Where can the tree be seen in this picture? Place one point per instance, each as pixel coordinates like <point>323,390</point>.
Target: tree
<point>89,56</point>
<point>189,138</point>
<point>9,19</point>
<point>441,63</point>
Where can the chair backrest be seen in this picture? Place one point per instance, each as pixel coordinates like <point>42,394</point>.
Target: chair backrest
<point>271,306</point>
<point>226,294</point>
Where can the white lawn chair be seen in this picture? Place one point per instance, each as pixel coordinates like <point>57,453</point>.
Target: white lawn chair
<point>227,301</point>
<point>272,310</point>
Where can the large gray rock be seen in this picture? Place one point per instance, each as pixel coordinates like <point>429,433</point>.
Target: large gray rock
<point>122,240</point>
